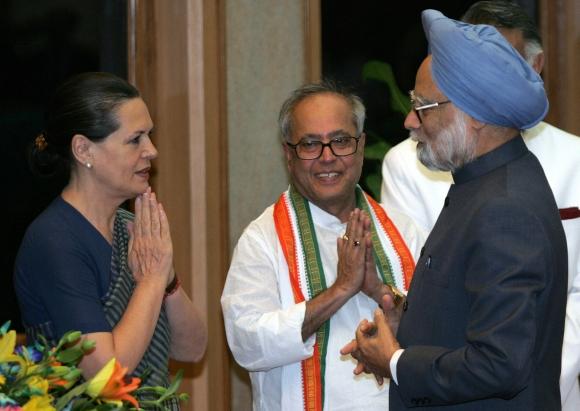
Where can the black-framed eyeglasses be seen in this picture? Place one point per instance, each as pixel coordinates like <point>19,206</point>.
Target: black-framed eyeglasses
<point>418,108</point>
<point>310,149</point>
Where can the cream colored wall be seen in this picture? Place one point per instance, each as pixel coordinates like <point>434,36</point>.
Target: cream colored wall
<point>265,61</point>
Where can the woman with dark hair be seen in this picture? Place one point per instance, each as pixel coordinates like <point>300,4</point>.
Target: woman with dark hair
<point>87,264</point>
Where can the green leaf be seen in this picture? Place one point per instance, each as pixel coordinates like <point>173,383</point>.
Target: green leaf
<point>156,390</point>
<point>58,371</point>
<point>71,337</point>
<point>72,375</point>
<point>377,150</point>
<point>70,355</point>
<point>373,182</point>
<point>145,374</point>
<point>88,345</point>
<point>173,387</point>
<point>68,397</point>
<point>4,329</point>
<point>42,346</point>
<point>383,72</point>
<point>372,137</point>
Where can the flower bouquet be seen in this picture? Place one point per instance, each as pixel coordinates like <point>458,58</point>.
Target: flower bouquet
<point>45,378</point>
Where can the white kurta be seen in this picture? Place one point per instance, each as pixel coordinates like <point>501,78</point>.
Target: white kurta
<point>410,188</point>
<point>264,325</point>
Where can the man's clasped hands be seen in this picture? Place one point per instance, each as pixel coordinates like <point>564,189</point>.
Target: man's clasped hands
<point>374,343</point>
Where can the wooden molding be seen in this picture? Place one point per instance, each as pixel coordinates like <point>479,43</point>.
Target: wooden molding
<point>176,59</point>
<point>560,27</point>
<point>312,41</point>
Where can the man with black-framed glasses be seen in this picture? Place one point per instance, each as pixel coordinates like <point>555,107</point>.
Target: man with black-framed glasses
<point>315,263</point>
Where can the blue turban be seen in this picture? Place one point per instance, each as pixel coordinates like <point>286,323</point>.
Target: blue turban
<point>482,74</point>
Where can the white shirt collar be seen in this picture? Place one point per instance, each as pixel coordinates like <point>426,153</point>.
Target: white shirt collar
<point>325,219</point>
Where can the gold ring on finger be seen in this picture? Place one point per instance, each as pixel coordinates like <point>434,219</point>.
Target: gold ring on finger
<point>345,237</point>
<point>398,296</point>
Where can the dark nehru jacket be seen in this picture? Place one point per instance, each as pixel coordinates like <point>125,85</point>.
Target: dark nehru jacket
<point>484,320</point>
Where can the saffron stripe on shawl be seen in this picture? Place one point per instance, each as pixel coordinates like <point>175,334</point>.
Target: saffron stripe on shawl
<point>381,260</point>
<point>311,384</point>
<point>399,244</point>
<point>312,389</point>
<point>286,238</point>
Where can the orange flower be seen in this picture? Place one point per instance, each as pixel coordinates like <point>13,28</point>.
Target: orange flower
<point>117,387</point>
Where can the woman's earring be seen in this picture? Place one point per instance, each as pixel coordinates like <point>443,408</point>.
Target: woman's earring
<point>89,165</point>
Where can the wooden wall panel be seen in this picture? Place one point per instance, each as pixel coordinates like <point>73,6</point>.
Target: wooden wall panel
<point>560,26</point>
<point>176,61</point>
<point>312,40</point>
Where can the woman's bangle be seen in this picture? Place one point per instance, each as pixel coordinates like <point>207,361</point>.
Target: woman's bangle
<point>172,287</point>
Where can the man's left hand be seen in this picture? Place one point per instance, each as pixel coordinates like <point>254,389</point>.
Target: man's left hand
<point>373,347</point>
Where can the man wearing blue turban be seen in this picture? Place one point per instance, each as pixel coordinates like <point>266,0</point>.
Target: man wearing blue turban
<point>483,322</point>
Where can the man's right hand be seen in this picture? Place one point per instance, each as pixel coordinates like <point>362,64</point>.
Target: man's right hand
<point>352,249</point>
<point>373,347</point>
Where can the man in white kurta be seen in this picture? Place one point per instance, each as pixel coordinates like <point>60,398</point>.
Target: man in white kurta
<point>263,324</point>
<point>269,333</point>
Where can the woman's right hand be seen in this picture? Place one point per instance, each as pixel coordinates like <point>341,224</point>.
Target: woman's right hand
<point>150,245</point>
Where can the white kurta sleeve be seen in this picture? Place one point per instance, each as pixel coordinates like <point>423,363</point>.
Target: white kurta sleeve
<point>409,187</point>
<point>411,232</point>
<point>569,390</point>
<point>571,351</point>
<point>262,330</point>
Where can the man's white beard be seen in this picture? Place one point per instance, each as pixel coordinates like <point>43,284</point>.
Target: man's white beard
<point>453,147</point>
